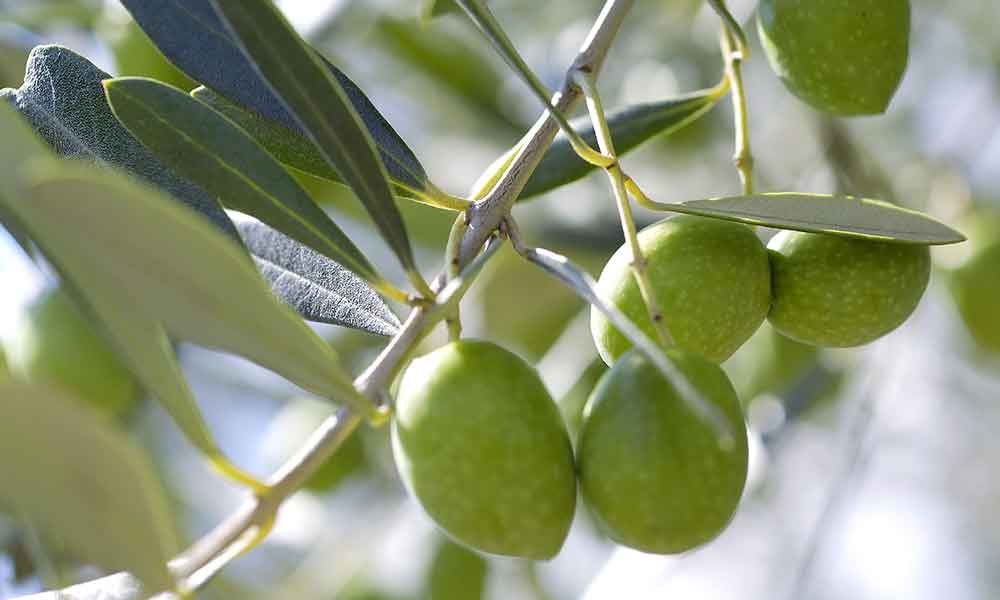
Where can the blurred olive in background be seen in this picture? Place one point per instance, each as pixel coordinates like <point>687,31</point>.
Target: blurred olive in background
<point>975,285</point>
<point>455,573</point>
<point>54,342</point>
<point>769,363</point>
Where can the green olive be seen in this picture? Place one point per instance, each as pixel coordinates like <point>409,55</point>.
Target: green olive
<point>456,573</point>
<point>840,292</point>
<point>53,342</point>
<point>711,279</point>
<point>480,443</point>
<point>975,286</point>
<point>845,57</point>
<point>652,471</point>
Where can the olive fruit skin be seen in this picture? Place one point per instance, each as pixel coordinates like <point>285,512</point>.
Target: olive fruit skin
<point>482,446</point>
<point>845,57</point>
<point>54,342</point>
<point>835,291</point>
<point>711,279</point>
<point>652,472</point>
<point>975,286</point>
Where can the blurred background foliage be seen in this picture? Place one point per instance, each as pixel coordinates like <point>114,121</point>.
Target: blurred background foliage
<point>873,470</point>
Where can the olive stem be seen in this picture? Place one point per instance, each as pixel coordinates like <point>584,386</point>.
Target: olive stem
<point>484,217</point>
<point>734,52</point>
<point>483,17</point>
<point>617,177</point>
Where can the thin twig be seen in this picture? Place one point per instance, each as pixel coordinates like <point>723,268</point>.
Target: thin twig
<point>734,53</point>
<point>484,219</point>
<point>617,178</point>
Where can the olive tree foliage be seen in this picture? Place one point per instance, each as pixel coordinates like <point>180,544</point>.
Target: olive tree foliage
<point>172,214</point>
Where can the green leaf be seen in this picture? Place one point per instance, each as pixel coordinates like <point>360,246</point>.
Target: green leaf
<point>630,127</point>
<point>135,332</point>
<point>69,473</point>
<point>319,104</point>
<point>215,153</point>
<point>64,101</point>
<point>166,260</point>
<point>819,213</point>
<point>315,286</point>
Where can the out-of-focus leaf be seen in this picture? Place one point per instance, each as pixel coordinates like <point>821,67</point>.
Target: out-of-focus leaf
<point>15,44</point>
<point>135,332</point>
<point>572,403</point>
<point>819,213</point>
<point>175,266</point>
<point>81,482</point>
<point>193,37</point>
<point>318,288</point>
<point>120,586</point>
<point>320,105</point>
<point>63,98</point>
<point>630,127</point>
<point>212,151</point>
<point>451,63</point>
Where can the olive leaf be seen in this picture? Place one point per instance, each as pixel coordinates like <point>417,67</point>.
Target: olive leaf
<point>175,266</point>
<point>318,288</point>
<point>192,36</point>
<point>135,333</point>
<point>319,104</point>
<point>838,215</point>
<point>630,127</point>
<point>63,99</point>
<point>207,148</point>
<point>99,495</point>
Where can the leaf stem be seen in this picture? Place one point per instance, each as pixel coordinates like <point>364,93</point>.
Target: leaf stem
<point>617,177</point>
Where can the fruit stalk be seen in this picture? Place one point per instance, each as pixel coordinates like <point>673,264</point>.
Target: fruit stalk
<point>734,53</point>
<point>617,177</point>
<point>484,219</point>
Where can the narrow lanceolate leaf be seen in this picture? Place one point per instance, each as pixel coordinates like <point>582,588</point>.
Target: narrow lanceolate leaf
<point>212,151</point>
<point>290,147</point>
<point>133,331</point>
<point>192,36</point>
<point>316,287</point>
<point>175,266</point>
<point>584,285</point>
<point>80,481</point>
<point>63,99</point>
<point>630,127</point>
<point>840,215</point>
<point>320,106</point>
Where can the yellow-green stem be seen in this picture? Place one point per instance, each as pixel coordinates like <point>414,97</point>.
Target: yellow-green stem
<point>617,178</point>
<point>734,52</point>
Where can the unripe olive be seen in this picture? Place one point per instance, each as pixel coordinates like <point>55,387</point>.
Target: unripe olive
<point>844,57</point>
<point>456,573</point>
<point>53,342</point>
<point>480,443</point>
<point>769,363</point>
<point>975,285</point>
<point>841,292</point>
<point>711,279</point>
<point>652,471</point>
